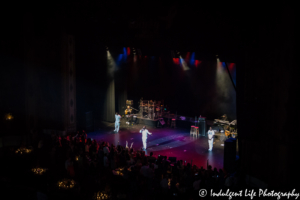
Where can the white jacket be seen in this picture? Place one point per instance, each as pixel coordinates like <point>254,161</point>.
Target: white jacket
<point>118,117</point>
<point>145,133</point>
<point>210,134</point>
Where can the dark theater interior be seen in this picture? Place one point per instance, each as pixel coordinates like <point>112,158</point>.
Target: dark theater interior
<point>148,100</point>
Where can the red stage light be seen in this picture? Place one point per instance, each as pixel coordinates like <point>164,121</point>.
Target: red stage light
<point>187,57</point>
<point>231,66</point>
<point>197,63</point>
<point>176,61</point>
<point>128,51</point>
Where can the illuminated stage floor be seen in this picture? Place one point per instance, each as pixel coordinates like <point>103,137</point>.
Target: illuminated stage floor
<point>165,141</point>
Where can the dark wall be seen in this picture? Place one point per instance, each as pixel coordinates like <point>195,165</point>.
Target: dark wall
<point>12,92</point>
<point>31,82</point>
<point>12,88</point>
<point>91,79</point>
<point>42,59</point>
<point>267,98</point>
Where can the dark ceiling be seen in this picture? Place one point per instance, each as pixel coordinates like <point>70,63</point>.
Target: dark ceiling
<point>217,28</point>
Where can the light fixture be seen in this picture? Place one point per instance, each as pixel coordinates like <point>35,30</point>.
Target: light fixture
<point>9,116</point>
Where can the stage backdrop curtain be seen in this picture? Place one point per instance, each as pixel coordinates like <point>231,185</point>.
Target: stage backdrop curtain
<point>109,105</point>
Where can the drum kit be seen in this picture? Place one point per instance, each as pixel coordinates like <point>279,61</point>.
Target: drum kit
<point>151,112</point>
<point>149,109</point>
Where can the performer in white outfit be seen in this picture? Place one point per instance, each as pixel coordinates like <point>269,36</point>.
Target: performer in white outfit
<point>145,133</point>
<point>117,123</point>
<point>210,138</point>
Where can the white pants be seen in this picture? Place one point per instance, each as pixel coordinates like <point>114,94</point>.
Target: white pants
<point>117,126</point>
<point>144,143</point>
<point>210,144</point>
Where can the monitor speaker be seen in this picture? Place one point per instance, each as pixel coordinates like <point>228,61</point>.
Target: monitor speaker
<point>202,128</point>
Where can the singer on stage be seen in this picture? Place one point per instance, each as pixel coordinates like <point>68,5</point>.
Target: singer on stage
<point>145,134</point>
<point>117,123</point>
<point>210,134</point>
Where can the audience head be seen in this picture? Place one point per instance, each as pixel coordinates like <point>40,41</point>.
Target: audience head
<point>152,166</point>
<point>145,162</point>
<point>142,160</point>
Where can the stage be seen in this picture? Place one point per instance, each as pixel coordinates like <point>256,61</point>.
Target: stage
<point>170,142</point>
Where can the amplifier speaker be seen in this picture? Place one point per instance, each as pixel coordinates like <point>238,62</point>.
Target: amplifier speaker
<point>202,128</point>
<point>229,154</point>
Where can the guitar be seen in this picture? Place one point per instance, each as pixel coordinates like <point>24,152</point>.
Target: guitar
<point>128,111</point>
<point>227,133</point>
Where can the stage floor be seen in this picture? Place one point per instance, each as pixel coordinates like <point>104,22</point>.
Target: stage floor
<point>170,142</point>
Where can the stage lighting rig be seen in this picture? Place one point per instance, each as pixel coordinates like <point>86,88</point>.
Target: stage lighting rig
<point>175,54</point>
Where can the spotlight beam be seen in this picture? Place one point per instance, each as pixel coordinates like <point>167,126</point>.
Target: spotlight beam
<point>111,64</point>
<point>183,63</point>
<point>230,76</point>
